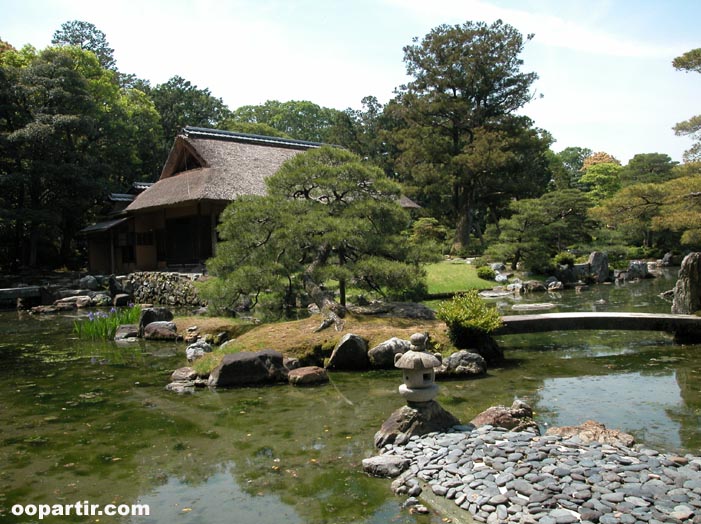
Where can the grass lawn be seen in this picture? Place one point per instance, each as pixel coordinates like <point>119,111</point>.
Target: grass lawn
<point>450,276</point>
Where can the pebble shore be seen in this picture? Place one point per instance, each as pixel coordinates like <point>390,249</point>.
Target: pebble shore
<point>501,476</point>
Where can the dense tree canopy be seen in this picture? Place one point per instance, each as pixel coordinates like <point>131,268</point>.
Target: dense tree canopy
<point>541,227</point>
<point>455,113</point>
<point>327,216</point>
<point>298,119</point>
<point>69,135</point>
<point>180,104</point>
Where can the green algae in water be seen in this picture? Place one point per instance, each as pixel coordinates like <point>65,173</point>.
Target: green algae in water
<point>97,429</point>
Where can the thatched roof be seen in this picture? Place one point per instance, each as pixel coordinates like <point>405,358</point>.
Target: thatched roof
<point>209,164</point>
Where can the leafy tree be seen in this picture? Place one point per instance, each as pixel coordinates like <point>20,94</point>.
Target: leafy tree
<point>299,119</point>
<point>647,168</point>
<point>631,211</point>
<point>541,227</point>
<point>327,216</point>
<point>182,104</point>
<point>465,79</point>
<point>681,209</point>
<point>86,36</point>
<point>68,135</point>
<point>601,180</point>
<point>690,62</point>
<point>572,161</point>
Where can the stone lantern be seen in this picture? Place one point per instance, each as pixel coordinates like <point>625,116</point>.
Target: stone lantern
<point>418,371</point>
<point>422,414</point>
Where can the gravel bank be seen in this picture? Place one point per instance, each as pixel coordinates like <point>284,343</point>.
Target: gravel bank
<point>499,476</point>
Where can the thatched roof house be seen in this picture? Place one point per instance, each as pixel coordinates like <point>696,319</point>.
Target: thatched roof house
<point>171,224</point>
<point>214,165</point>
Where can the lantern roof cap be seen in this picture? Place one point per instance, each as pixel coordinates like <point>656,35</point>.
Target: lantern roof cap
<point>417,360</point>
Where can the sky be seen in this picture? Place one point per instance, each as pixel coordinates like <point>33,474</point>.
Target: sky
<point>605,66</point>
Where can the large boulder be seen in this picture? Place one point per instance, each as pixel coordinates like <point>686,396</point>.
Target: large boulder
<point>249,368</point>
<point>462,364</point>
<point>637,269</point>
<point>687,291</point>
<point>308,376</point>
<point>161,331</point>
<point>350,354</point>
<point>382,355</point>
<point>518,417</point>
<point>89,282</point>
<point>418,419</point>
<point>154,314</point>
<point>599,266</point>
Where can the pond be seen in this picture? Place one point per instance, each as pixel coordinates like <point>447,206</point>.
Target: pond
<point>83,421</point>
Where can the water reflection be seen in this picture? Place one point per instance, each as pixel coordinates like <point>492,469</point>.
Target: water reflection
<point>636,403</point>
<point>218,499</point>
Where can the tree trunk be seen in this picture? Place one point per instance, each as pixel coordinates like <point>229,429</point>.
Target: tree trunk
<point>332,312</point>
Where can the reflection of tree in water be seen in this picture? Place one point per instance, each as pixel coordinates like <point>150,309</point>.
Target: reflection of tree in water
<point>688,377</point>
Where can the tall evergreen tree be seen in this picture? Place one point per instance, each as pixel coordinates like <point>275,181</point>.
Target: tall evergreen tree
<point>466,79</point>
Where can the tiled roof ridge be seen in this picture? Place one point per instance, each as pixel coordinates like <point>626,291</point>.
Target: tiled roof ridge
<point>219,134</point>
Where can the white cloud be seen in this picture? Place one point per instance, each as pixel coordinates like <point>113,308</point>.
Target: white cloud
<point>550,30</point>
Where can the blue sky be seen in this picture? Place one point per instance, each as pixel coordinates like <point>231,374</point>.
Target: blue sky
<point>605,66</point>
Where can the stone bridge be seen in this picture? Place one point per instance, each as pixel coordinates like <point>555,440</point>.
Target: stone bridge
<point>686,328</point>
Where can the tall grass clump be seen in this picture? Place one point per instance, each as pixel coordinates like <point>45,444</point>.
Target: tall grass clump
<point>103,325</point>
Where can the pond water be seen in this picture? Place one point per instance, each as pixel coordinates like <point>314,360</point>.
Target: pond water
<point>87,421</point>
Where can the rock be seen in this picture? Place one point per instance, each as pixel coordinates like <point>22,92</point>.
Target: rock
<point>599,266</point>
<point>518,417</point>
<point>533,286</point>
<point>289,362</point>
<point>534,307</point>
<point>160,331</point>
<point>462,363</point>
<point>556,286</point>
<point>417,419</point>
<point>121,300</point>
<point>501,278</point>
<point>126,331</point>
<point>183,375</point>
<point>89,282</point>
<point>591,431</point>
<point>637,269</point>
<point>248,368</point>
<point>102,300</point>
<point>498,266</point>
<point>385,466</point>
<point>308,376</point>
<point>687,291</point>
<point>666,260</point>
<point>48,310</point>
<point>382,355</point>
<point>154,314</point>
<point>115,286</point>
<point>350,354</point>
<point>197,350</point>
<point>181,387</point>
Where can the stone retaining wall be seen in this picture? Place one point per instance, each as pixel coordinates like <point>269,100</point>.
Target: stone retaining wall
<point>171,289</point>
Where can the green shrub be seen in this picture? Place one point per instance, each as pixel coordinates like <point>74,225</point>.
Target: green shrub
<point>102,325</point>
<point>467,316</point>
<point>565,259</point>
<point>486,273</point>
